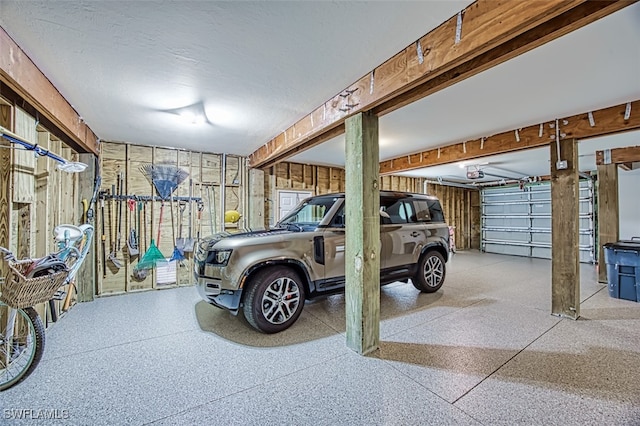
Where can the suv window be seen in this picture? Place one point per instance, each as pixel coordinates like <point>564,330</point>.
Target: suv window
<point>309,212</point>
<point>422,211</point>
<point>410,211</point>
<point>338,220</point>
<point>393,210</point>
<point>436,211</point>
<point>399,211</point>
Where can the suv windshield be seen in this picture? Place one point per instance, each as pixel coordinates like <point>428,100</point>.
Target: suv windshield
<point>309,213</point>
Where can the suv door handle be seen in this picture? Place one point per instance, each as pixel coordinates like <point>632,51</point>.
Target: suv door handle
<point>415,234</point>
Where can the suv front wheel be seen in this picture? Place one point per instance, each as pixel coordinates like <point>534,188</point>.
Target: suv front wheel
<point>274,299</point>
<point>430,274</point>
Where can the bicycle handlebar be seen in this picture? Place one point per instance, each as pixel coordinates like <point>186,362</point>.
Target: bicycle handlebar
<point>69,250</point>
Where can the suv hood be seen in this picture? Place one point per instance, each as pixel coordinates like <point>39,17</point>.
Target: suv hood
<point>207,243</point>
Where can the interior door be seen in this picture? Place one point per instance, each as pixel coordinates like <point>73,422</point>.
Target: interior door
<point>287,200</point>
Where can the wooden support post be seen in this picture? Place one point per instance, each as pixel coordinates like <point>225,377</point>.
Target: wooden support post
<point>362,233</point>
<point>256,199</point>
<point>87,275</point>
<point>5,180</point>
<point>608,213</point>
<point>565,237</point>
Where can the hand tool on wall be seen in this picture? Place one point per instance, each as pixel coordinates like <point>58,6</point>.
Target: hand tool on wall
<point>152,255</point>
<point>139,225</point>
<point>188,245</point>
<point>112,230</point>
<point>104,240</point>
<point>212,209</point>
<point>160,222</point>
<point>180,242</point>
<point>144,224</point>
<point>165,177</point>
<point>132,240</point>
<point>177,254</point>
<point>200,208</point>
<point>120,196</point>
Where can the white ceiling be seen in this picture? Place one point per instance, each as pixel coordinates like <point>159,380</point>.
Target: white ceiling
<point>260,66</point>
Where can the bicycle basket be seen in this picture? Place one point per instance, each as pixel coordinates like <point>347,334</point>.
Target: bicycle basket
<point>19,291</point>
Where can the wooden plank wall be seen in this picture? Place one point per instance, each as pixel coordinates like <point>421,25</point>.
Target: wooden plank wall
<point>205,181</point>
<point>461,208</point>
<point>34,195</point>
<point>401,183</point>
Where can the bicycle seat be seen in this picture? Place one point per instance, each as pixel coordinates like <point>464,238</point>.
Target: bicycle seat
<point>60,232</point>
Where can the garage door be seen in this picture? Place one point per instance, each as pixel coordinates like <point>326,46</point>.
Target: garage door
<point>518,221</point>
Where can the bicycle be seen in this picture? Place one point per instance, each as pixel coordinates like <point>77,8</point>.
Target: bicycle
<point>28,283</point>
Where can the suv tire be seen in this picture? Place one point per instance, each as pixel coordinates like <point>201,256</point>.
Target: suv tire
<point>431,272</point>
<point>274,299</point>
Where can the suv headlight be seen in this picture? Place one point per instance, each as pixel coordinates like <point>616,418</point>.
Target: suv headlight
<point>218,257</point>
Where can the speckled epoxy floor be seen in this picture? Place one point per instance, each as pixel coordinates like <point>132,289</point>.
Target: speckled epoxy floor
<point>484,350</point>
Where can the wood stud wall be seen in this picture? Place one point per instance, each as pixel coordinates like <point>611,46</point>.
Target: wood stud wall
<point>205,175</point>
<point>462,211</point>
<point>34,195</point>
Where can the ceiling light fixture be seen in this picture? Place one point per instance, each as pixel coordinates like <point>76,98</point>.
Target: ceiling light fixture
<point>192,114</point>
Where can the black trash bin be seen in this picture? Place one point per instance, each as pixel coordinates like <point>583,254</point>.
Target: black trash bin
<point>623,269</point>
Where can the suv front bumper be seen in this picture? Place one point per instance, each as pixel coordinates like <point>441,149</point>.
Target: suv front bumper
<point>210,290</point>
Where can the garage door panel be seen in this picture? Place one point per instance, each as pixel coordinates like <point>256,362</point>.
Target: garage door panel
<point>507,249</point>
<point>517,221</point>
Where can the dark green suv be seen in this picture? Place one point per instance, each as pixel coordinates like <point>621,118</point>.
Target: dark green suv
<point>269,274</point>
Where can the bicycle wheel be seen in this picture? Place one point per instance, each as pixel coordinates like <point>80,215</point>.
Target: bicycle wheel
<point>21,344</point>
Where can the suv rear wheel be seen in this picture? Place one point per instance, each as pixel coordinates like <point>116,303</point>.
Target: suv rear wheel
<point>430,274</point>
<point>274,299</point>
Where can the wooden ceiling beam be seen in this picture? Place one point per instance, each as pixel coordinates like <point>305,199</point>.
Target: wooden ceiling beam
<point>605,121</point>
<point>491,32</point>
<point>23,77</point>
<point>624,157</point>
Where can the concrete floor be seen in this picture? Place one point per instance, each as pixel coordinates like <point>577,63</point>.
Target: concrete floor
<point>484,350</point>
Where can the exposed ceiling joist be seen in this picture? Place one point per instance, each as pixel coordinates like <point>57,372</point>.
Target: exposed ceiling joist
<point>625,157</point>
<point>459,48</point>
<point>605,121</point>
<point>24,78</point>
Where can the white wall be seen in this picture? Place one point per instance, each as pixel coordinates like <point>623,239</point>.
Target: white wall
<point>629,202</point>
<point>628,182</point>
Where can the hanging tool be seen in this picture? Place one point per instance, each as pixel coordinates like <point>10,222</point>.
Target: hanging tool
<point>139,225</point>
<point>200,205</point>
<point>165,177</point>
<point>144,224</point>
<point>132,241</point>
<point>188,245</point>
<point>104,239</point>
<point>180,242</point>
<point>120,196</point>
<point>112,230</point>
<point>177,254</point>
<point>160,221</point>
<point>153,253</point>
<point>212,209</point>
